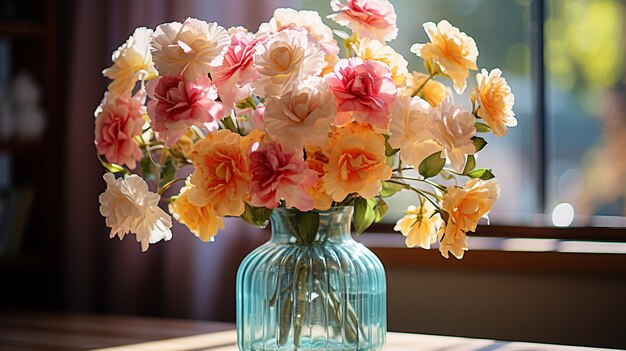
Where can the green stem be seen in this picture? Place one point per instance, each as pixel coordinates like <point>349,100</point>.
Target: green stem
<point>301,302</point>
<point>433,184</point>
<point>419,89</point>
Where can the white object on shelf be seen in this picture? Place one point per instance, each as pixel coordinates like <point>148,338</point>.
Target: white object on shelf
<point>28,115</point>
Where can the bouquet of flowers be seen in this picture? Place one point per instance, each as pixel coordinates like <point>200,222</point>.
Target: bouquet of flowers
<point>278,118</point>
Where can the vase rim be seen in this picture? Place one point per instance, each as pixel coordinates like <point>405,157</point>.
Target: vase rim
<point>334,209</point>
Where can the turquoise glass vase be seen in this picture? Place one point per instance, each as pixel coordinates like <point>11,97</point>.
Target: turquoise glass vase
<point>323,293</point>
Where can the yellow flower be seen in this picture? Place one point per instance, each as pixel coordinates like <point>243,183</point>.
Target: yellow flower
<point>184,145</point>
<point>316,159</point>
<point>131,61</point>
<point>419,225</point>
<point>465,206</point>
<point>221,174</point>
<point>201,220</point>
<point>495,101</point>
<point>453,50</point>
<point>433,91</point>
<point>356,162</point>
<point>374,50</point>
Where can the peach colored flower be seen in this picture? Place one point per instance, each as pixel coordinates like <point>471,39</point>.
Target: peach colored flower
<point>302,115</point>
<point>453,128</point>
<point>279,174</point>
<point>453,50</point>
<point>131,61</point>
<point>234,76</point>
<point>118,122</point>
<point>465,206</point>
<point>420,226</point>
<point>375,50</point>
<point>178,103</point>
<point>373,19</point>
<point>191,49</point>
<point>364,91</point>
<point>129,207</point>
<point>221,175</point>
<point>331,61</point>
<point>408,130</point>
<point>432,91</point>
<point>201,221</point>
<point>495,101</point>
<point>316,159</point>
<point>286,58</point>
<point>285,18</point>
<point>356,162</point>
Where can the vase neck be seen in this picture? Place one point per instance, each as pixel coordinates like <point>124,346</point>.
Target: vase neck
<point>334,226</point>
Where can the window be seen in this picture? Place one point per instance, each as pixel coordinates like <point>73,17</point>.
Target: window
<point>563,162</point>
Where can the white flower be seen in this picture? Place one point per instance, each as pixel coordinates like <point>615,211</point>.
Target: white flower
<point>285,59</point>
<point>129,207</point>
<point>302,115</point>
<point>309,20</point>
<point>409,130</point>
<point>190,49</point>
<point>131,61</point>
<point>453,128</point>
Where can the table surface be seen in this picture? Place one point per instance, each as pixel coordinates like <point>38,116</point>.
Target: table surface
<point>22,331</point>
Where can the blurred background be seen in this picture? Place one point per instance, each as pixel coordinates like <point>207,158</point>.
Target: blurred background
<point>550,268</point>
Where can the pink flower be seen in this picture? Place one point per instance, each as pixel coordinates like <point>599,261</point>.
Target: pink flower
<point>373,19</point>
<point>178,103</point>
<point>365,89</point>
<point>258,117</point>
<point>118,121</point>
<point>279,174</point>
<point>232,78</point>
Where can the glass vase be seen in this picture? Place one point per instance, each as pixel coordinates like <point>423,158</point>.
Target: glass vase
<point>323,293</point>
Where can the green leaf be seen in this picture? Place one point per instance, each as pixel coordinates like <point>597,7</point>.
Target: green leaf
<point>256,216</point>
<point>391,161</point>
<point>364,214</point>
<point>470,164</point>
<point>432,165</point>
<point>112,167</point>
<point>229,124</point>
<point>380,209</point>
<point>307,224</point>
<point>481,173</point>
<point>482,127</point>
<point>389,189</point>
<point>246,103</point>
<point>479,143</point>
<point>389,151</point>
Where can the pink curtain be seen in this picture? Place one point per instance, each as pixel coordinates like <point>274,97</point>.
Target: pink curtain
<point>183,277</point>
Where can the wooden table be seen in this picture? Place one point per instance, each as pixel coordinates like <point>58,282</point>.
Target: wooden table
<point>22,331</point>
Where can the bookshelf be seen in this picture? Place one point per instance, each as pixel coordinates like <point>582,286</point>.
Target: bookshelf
<point>29,273</point>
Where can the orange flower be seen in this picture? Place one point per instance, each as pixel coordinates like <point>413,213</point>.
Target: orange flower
<point>495,101</point>
<point>465,207</point>
<point>316,159</point>
<point>356,162</point>
<point>453,50</point>
<point>201,221</point>
<point>221,173</point>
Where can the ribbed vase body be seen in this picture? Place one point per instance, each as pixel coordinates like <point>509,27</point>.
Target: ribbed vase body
<point>325,294</point>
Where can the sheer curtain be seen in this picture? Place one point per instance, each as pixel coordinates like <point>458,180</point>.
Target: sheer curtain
<point>180,278</point>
